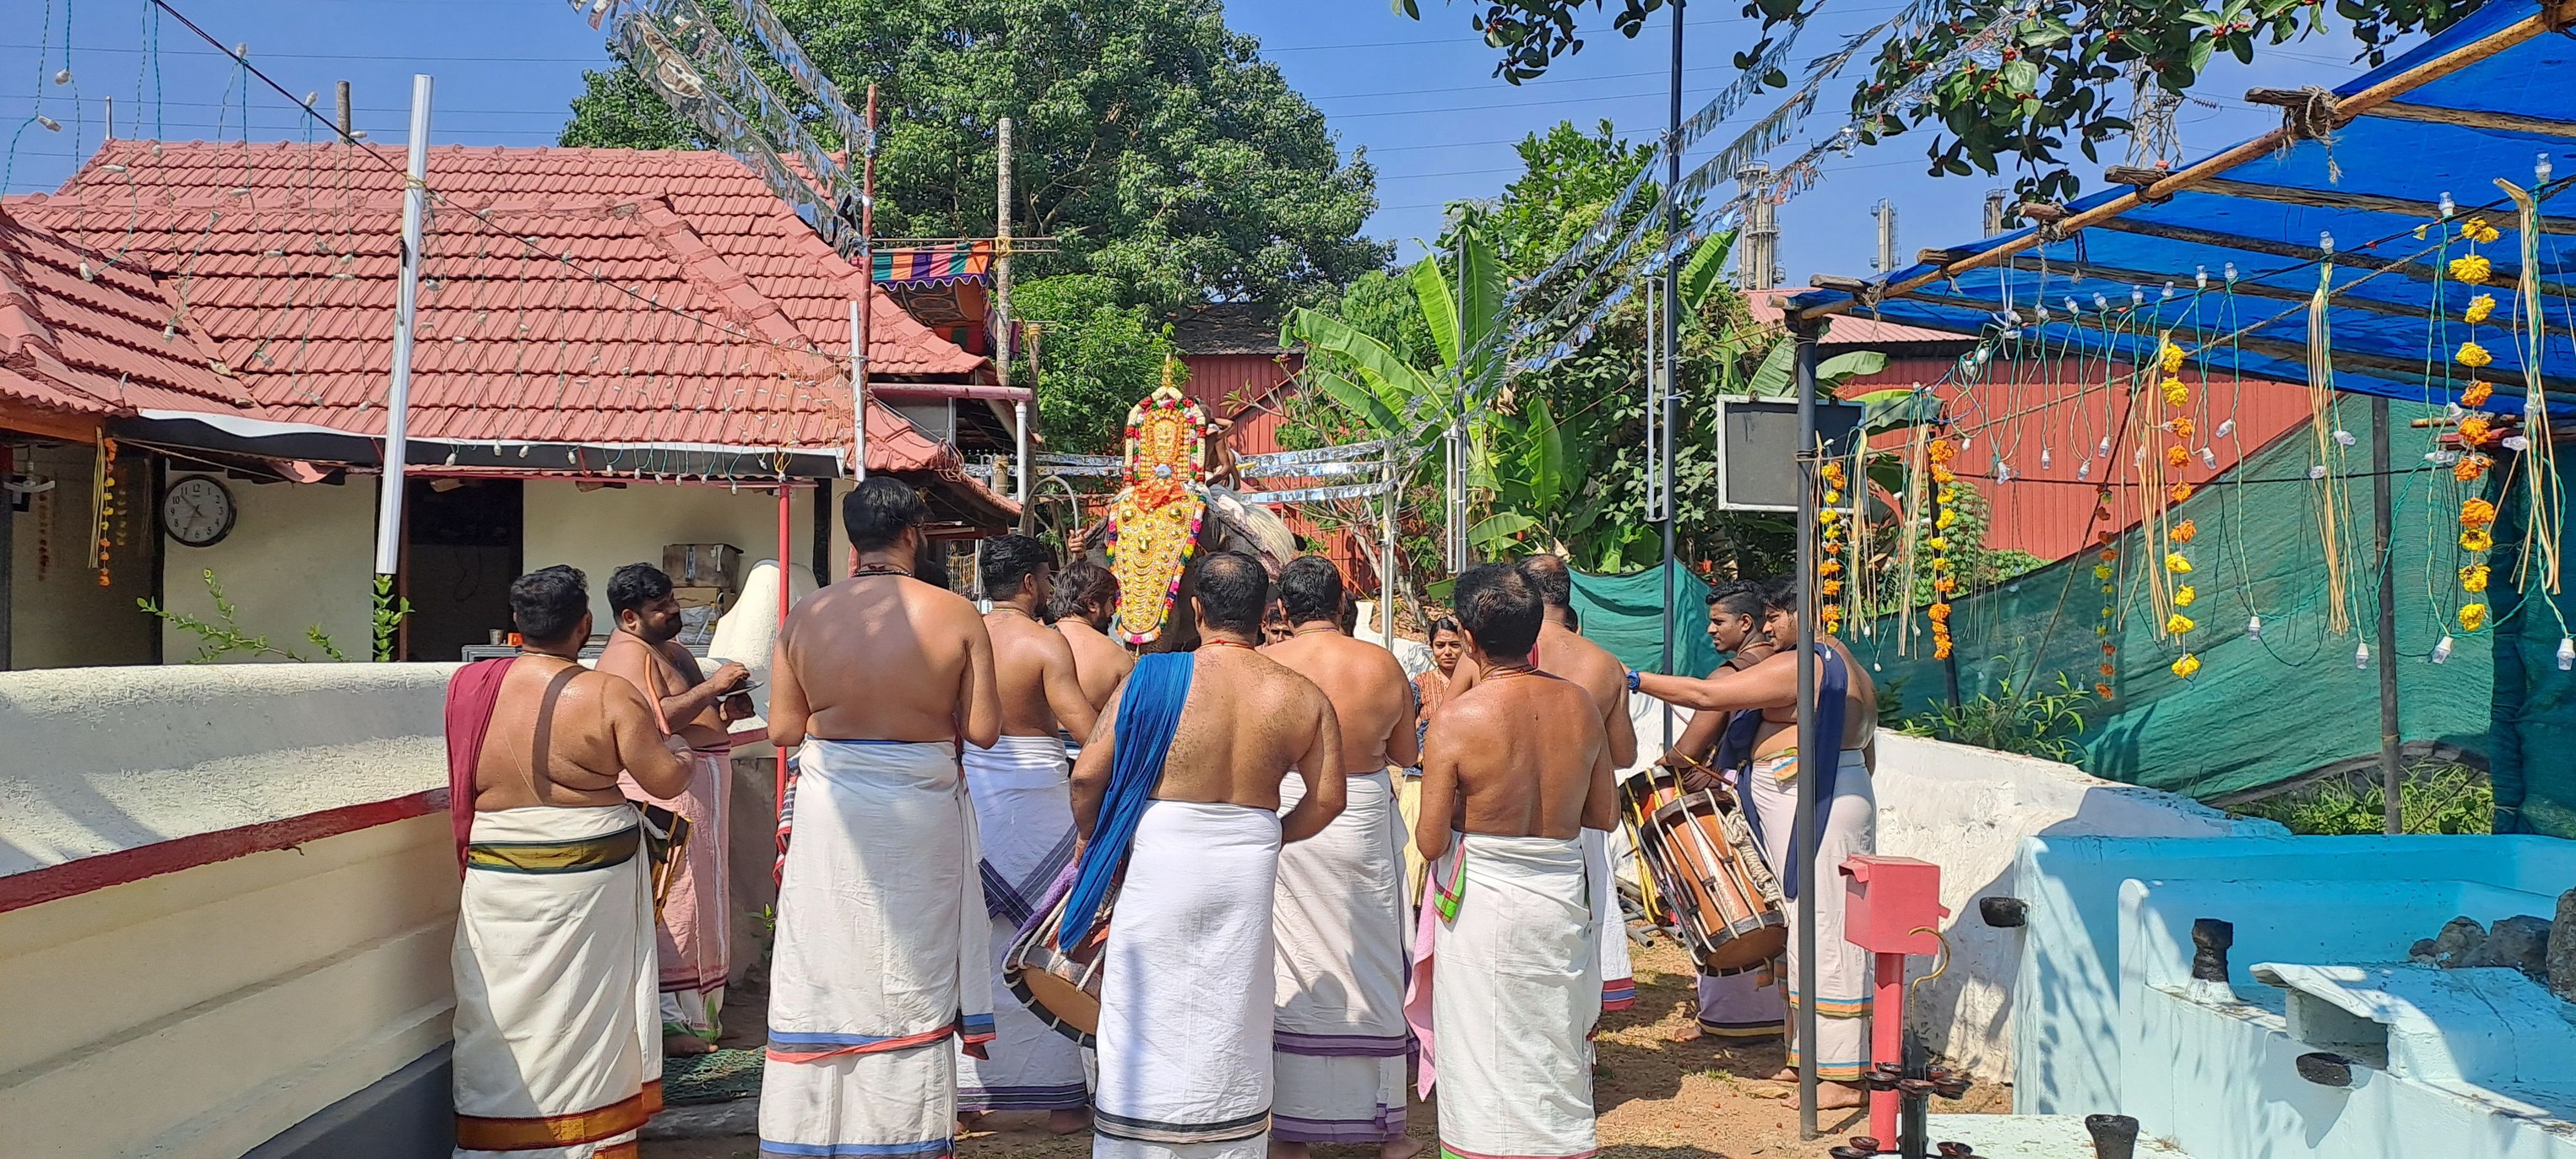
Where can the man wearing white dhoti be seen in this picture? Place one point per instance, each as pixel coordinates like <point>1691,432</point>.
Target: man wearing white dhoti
<point>1564,653</point>
<point>557,1028</point>
<point>1846,821</point>
<point>1514,772</point>
<point>1024,820</point>
<point>1339,918</point>
<point>883,950</point>
<point>1179,790</point>
<point>696,940</point>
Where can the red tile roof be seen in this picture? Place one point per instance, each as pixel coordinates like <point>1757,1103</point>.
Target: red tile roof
<point>1852,329</point>
<point>84,334</point>
<point>576,295</point>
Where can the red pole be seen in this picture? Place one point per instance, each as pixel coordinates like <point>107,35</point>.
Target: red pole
<point>778,775</point>
<point>1887,1044</point>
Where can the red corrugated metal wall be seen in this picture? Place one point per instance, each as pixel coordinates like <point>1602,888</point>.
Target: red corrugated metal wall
<point>2045,510</point>
<point>1250,389</point>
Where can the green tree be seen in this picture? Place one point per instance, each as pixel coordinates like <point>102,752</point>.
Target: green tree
<point>2048,83</point>
<point>1096,358</point>
<point>1154,145</point>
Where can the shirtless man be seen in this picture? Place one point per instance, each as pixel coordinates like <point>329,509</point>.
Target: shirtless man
<point>696,937</point>
<point>1024,822</point>
<point>1520,768</point>
<point>1847,821</point>
<point>1564,653</point>
<point>1084,604</point>
<point>1186,1009</point>
<point>555,1030</point>
<point>1749,1004</point>
<point>1341,1036</point>
<point>878,679</point>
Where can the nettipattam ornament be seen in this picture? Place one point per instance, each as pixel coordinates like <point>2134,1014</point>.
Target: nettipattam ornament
<point>1154,521</point>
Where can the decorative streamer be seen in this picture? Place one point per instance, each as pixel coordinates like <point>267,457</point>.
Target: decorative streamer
<point>2321,420</point>
<point>2540,469</point>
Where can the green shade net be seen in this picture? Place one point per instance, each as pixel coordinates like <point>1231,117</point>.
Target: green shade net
<point>2261,710</point>
<point>2534,714</point>
<point>1618,613</point>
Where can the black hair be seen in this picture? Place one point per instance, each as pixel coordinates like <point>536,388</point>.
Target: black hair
<point>1741,598</point>
<point>1549,577</point>
<point>1310,589</point>
<point>1083,589</point>
<point>1781,595</point>
<point>879,510</point>
<point>1443,624</point>
<point>1231,589</point>
<point>1010,560</point>
<point>1350,616</point>
<point>635,585</point>
<point>547,604</point>
<point>1500,606</point>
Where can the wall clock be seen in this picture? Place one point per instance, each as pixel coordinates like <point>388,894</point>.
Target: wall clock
<point>197,510</point>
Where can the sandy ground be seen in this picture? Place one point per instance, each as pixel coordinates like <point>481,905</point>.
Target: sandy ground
<point>1658,1099</point>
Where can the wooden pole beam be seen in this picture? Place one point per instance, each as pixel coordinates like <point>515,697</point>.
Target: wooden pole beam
<point>2554,15</point>
<point>2475,119</point>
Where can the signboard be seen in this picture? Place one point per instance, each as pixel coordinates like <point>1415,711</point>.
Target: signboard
<point>1757,444</point>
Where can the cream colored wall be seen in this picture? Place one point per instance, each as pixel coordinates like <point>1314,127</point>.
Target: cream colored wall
<point>601,531</point>
<point>59,616</point>
<point>300,554</point>
<point>199,1013</point>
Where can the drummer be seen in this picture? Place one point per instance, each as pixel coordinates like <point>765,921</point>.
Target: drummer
<point>1846,819</point>
<point>1747,1004</point>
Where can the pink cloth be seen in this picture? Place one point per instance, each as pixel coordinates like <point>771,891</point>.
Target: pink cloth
<point>472,694</point>
<point>1417,990</point>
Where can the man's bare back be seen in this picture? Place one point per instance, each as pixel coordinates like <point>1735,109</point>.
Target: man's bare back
<point>1516,756</point>
<point>1099,662</point>
<point>1372,701</point>
<point>1033,672</point>
<point>560,733</point>
<point>671,670</point>
<point>883,656</point>
<point>1564,653</point>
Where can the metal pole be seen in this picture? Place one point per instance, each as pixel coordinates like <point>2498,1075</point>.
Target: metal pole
<point>2391,778</point>
<point>108,131</point>
<point>343,120</point>
<point>1672,344</point>
<point>389,500</point>
<point>1386,553</point>
<point>1811,748</point>
<point>867,289</point>
<point>778,770</point>
<point>1002,309</point>
<point>9,553</point>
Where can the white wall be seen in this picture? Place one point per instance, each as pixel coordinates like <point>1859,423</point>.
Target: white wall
<point>300,555</point>
<point>59,615</point>
<point>601,531</point>
<point>1968,810</point>
<point>200,1010</point>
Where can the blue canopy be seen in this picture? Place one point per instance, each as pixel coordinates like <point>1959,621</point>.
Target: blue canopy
<point>2493,97</point>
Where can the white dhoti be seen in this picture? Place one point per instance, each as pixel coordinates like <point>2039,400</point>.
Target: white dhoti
<point>1610,940</point>
<point>558,1039</point>
<point>883,954</point>
<point>1842,970</point>
<point>1516,990</point>
<point>695,939</point>
<point>1024,820</point>
<point>1339,1039</point>
<point>1185,1002</point>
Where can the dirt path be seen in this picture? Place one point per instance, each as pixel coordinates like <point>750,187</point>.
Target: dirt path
<point>1657,1100</point>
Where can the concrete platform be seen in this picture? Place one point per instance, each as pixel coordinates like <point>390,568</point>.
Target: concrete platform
<point>2032,1137</point>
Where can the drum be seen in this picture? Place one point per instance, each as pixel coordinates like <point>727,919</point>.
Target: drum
<point>1717,890</point>
<point>1061,987</point>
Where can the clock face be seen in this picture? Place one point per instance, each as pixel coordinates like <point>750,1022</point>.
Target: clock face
<point>197,511</point>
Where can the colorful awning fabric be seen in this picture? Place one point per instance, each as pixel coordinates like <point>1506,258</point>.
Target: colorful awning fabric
<point>935,265</point>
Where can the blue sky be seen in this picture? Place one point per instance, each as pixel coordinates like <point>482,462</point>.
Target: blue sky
<point>1419,96</point>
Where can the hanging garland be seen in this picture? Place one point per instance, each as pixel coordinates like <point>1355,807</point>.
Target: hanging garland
<point>2177,398</point>
<point>102,507</point>
<point>2476,429</point>
<point>1944,581</point>
<point>1829,565</point>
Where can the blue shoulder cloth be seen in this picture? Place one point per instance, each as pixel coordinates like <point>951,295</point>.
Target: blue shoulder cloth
<point>1833,690</point>
<point>1149,711</point>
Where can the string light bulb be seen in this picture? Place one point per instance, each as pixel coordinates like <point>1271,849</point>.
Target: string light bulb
<point>2209,458</point>
<point>2231,273</point>
<point>2442,651</point>
<point>2226,428</point>
<point>2345,438</point>
<point>2361,655</point>
<point>2447,207</point>
<point>2103,448</point>
<point>2253,627</point>
<point>2045,459</point>
<point>2566,653</point>
<point>2200,277</point>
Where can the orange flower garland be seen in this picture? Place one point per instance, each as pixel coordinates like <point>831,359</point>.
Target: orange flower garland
<point>1944,582</point>
<point>2476,430</point>
<point>2177,456</point>
<point>1829,611</point>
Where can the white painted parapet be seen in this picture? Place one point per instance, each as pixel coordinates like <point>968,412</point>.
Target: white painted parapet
<point>226,900</point>
<point>1968,810</point>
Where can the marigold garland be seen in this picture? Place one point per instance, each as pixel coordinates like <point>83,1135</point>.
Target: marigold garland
<point>2472,270</point>
<point>1829,615</point>
<point>2186,666</point>
<point>2107,553</point>
<point>2477,513</point>
<point>1941,452</point>
<point>2480,540</point>
<point>2475,430</point>
<point>2480,309</point>
<point>2473,617</point>
<point>2476,394</point>
<point>2473,578</point>
<point>2473,356</point>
